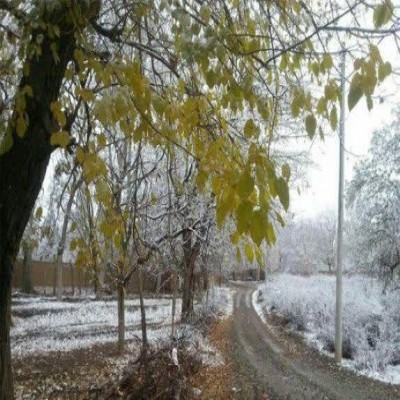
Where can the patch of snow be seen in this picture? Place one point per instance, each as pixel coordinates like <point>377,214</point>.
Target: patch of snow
<point>258,305</point>
<point>221,299</point>
<point>371,319</point>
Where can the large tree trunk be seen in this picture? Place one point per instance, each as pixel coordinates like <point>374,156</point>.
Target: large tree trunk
<point>23,162</point>
<point>6,382</point>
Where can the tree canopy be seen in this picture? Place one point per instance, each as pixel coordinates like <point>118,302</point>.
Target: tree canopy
<point>212,78</point>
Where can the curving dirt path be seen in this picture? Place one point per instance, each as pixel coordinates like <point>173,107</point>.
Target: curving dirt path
<point>284,368</point>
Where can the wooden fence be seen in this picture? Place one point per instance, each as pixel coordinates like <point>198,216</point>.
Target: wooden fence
<point>76,280</point>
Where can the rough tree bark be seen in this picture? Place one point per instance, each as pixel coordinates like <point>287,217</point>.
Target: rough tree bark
<point>23,165</point>
<point>190,254</point>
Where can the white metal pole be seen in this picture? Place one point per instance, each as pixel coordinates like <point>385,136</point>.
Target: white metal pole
<point>339,244</point>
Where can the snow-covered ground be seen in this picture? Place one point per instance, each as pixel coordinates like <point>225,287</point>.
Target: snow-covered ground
<point>220,299</point>
<point>371,320</point>
<point>43,324</point>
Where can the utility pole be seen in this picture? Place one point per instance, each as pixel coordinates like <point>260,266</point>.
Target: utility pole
<point>339,244</point>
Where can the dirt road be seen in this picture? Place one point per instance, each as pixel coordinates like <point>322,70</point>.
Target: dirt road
<point>283,367</point>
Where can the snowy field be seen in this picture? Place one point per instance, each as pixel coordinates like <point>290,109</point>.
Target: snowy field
<point>44,324</point>
<point>371,320</point>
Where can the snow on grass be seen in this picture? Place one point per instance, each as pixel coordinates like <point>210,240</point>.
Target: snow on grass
<point>44,325</point>
<point>220,299</point>
<point>371,320</point>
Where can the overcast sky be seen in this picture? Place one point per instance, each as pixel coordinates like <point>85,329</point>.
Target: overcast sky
<point>323,178</point>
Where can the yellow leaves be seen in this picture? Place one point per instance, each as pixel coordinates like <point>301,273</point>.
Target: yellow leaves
<point>235,237</point>
<point>205,13</point>
<point>101,140</point>
<point>211,78</point>
<point>249,252</point>
<point>103,193</point>
<point>60,139</point>
<point>39,213</point>
<point>244,215</point>
<point>369,73</point>
<point>251,129</point>
<point>79,57</point>
<point>300,101</point>
<point>383,13</point>
<point>332,91</point>
<point>93,166</point>
<point>58,114</point>
<point>85,94</point>
<point>327,62</point>
<point>245,184</point>
<point>107,229</point>
<point>21,125</point>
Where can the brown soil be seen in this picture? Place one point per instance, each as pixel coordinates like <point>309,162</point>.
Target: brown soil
<point>225,382</point>
<point>75,374</point>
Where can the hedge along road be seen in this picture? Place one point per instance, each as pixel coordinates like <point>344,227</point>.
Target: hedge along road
<point>284,367</point>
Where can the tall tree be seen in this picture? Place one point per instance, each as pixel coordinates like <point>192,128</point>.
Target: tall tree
<point>374,194</point>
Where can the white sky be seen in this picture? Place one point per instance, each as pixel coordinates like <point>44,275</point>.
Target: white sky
<point>323,178</point>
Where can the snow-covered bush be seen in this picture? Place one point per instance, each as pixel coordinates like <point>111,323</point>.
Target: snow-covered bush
<point>371,319</point>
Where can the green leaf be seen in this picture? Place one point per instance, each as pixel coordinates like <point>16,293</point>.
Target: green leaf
<point>259,258</point>
<point>311,125</point>
<point>243,216</point>
<point>283,192</point>
<point>258,226</point>
<point>327,61</point>
<point>286,171</point>
<point>384,70</point>
<point>250,129</point>
<point>382,13</point>
<point>271,237</point>
<point>370,103</point>
<point>321,106</point>
<point>333,118</point>
<point>249,252</point>
<point>246,184</point>
<point>355,94</point>
<point>238,255</point>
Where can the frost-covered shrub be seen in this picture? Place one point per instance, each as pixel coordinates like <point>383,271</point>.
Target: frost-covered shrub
<point>219,299</point>
<point>371,319</point>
